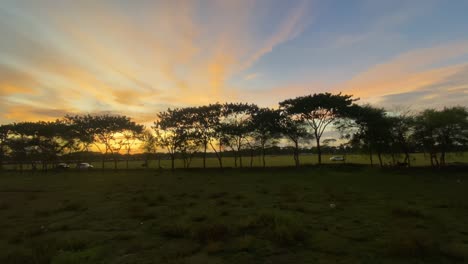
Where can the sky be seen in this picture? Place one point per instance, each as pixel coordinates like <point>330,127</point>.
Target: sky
<point>139,57</point>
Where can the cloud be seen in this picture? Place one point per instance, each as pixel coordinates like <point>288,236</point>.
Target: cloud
<point>448,91</point>
<point>296,21</point>
<point>413,72</point>
<point>92,56</point>
<point>251,76</point>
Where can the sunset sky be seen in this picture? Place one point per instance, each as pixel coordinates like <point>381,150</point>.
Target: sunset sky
<point>139,57</point>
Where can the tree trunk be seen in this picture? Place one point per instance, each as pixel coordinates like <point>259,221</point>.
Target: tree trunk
<point>370,157</point>
<point>172,161</point>
<point>235,159</point>
<point>204,155</point>
<point>240,159</point>
<point>251,158</point>
<point>263,157</point>
<point>379,155</point>
<point>319,151</point>
<point>218,153</point>
<point>296,153</point>
<point>442,158</point>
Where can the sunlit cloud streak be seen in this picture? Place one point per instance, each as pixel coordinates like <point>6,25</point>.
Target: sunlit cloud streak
<point>140,57</point>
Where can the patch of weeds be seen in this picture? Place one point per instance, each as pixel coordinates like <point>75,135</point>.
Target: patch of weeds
<point>407,213</point>
<point>140,213</point>
<point>244,243</point>
<point>43,213</point>
<point>34,232</point>
<point>212,232</point>
<point>71,207</point>
<point>161,198</point>
<point>239,197</point>
<point>74,244</point>
<point>222,202</point>
<point>194,196</point>
<point>280,229</point>
<point>214,247</point>
<point>455,251</point>
<point>412,245</point>
<point>217,195</point>
<point>91,255</point>
<point>31,196</point>
<point>15,239</point>
<point>175,230</point>
<point>4,206</point>
<point>18,256</point>
<point>198,218</point>
<point>224,213</point>
<point>123,236</point>
<point>248,203</point>
<point>181,195</point>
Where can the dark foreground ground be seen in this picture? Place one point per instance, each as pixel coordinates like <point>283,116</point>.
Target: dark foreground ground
<point>309,215</point>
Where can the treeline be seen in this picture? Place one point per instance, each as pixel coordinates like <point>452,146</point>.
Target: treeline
<point>241,129</point>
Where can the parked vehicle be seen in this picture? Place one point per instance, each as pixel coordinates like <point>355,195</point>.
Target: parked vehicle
<point>337,158</point>
<point>84,166</point>
<point>62,165</point>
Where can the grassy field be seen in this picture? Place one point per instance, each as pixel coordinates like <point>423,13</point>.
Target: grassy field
<point>418,159</point>
<point>339,214</point>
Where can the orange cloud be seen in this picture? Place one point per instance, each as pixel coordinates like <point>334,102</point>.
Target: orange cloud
<point>408,72</point>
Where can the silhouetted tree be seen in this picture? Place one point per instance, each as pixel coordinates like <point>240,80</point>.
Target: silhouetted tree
<point>318,111</point>
<point>4,136</point>
<point>265,128</point>
<point>373,130</point>
<point>170,132</point>
<point>105,131</point>
<point>441,131</point>
<point>205,121</point>
<point>294,130</point>
<point>235,125</point>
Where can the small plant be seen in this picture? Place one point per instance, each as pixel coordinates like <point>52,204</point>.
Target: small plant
<point>407,213</point>
<point>212,232</point>
<point>175,230</point>
<point>72,207</point>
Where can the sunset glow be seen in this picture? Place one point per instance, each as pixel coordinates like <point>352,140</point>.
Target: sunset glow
<point>140,57</point>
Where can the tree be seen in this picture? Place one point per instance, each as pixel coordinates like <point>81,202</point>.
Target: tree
<point>294,130</point>
<point>4,136</point>
<point>373,130</point>
<point>401,132</point>
<point>318,111</point>
<point>235,125</point>
<point>205,121</point>
<point>132,133</point>
<point>149,145</point>
<point>104,131</point>
<point>265,128</point>
<point>441,131</point>
<point>171,132</point>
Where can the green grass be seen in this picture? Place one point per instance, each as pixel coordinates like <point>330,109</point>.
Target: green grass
<point>418,160</point>
<point>338,214</point>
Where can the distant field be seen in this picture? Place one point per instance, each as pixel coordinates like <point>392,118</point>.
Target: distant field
<point>331,214</point>
<point>418,159</point>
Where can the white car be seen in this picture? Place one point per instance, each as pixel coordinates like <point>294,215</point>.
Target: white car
<point>84,166</point>
<point>62,165</point>
<point>337,158</point>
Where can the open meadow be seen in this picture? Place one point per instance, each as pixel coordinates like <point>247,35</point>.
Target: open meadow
<point>417,159</point>
<point>328,214</point>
